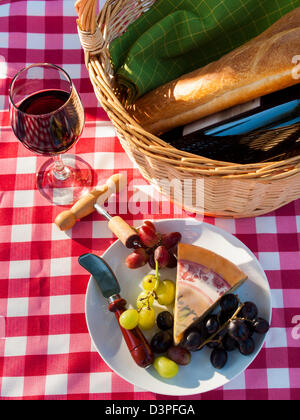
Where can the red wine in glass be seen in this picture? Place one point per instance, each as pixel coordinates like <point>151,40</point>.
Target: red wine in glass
<point>47,117</point>
<point>53,129</point>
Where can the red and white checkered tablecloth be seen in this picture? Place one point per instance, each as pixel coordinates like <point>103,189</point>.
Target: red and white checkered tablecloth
<point>45,349</point>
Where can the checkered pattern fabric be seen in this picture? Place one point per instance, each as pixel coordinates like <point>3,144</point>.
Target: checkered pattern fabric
<point>175,37</point>
<point>45,348</point>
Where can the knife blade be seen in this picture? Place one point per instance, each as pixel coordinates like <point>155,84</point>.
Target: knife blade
<point>108,284</point>
<point>102,274</point>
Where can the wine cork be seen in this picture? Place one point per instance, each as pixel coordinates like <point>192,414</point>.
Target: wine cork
<point>123,231</point>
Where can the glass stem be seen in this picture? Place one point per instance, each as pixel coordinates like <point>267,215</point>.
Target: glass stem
<point>61,172</point>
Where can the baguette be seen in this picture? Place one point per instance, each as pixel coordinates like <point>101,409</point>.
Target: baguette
<point>259,67</point>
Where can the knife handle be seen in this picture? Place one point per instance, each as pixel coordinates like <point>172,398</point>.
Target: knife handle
<point>137,344</point>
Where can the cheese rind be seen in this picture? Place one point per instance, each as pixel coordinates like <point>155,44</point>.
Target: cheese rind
<point>203,277</point>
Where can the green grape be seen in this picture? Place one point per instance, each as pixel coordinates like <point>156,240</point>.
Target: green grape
<point>150,282</point>
<point>146,318</point>
<point>166,292</point>
<point>145,299</point>
<point>129,319</point>
<point>165,367</point>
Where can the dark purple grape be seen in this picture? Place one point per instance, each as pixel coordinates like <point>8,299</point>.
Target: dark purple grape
<point>249,311</point>
<point>161,342</point>
<point>179,355</point>
<point>199,326</point>
<point>165,320</point>
<point>218,358</point>
<point>172,263</point>
<point>250,327</point>
<point>213,344</point>
<point>229,343</point>
<point>151,261</point>
<point>193,340</point>
<point>261,326</point>
<point>224,317</point>
<point>246,347</point>
<point>238,329</point>
<point>229,303</point>
<point>212,324</point>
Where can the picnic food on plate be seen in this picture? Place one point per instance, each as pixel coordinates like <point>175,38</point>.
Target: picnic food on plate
<point>198,311</point>
<point>203,277</point>
<point>261,66</point>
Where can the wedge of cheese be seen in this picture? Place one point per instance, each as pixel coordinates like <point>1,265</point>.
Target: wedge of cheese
<point>203,277</point>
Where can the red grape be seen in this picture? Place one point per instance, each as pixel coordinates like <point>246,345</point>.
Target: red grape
<point>137,259</point>
<point>161,255</point>
<point>171,239</point>
<point>150,224</point>
<point>148,236</point>
<point>179,355</point>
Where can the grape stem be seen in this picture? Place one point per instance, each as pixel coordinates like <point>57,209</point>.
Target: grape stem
<point>211,338</point>
<point>147,298</point>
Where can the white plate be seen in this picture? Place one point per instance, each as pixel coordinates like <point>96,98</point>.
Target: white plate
<point>199,376</point>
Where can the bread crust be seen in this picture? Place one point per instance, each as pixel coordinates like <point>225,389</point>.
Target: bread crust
<point>259,67</point>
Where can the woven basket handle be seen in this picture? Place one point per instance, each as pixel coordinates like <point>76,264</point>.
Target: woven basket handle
<point>89,33</point>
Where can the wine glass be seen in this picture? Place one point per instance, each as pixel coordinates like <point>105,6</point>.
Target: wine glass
<point>47,117</point>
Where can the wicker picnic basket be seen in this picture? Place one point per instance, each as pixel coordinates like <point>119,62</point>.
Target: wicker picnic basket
<point>228,190</point>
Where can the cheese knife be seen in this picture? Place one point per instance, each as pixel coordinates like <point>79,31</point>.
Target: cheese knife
<point>107,282</point>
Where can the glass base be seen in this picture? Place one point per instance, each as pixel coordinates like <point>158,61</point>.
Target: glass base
<point>67,191</point>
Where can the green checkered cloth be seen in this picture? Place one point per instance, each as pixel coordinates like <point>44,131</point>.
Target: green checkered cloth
<point>175,37</point>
